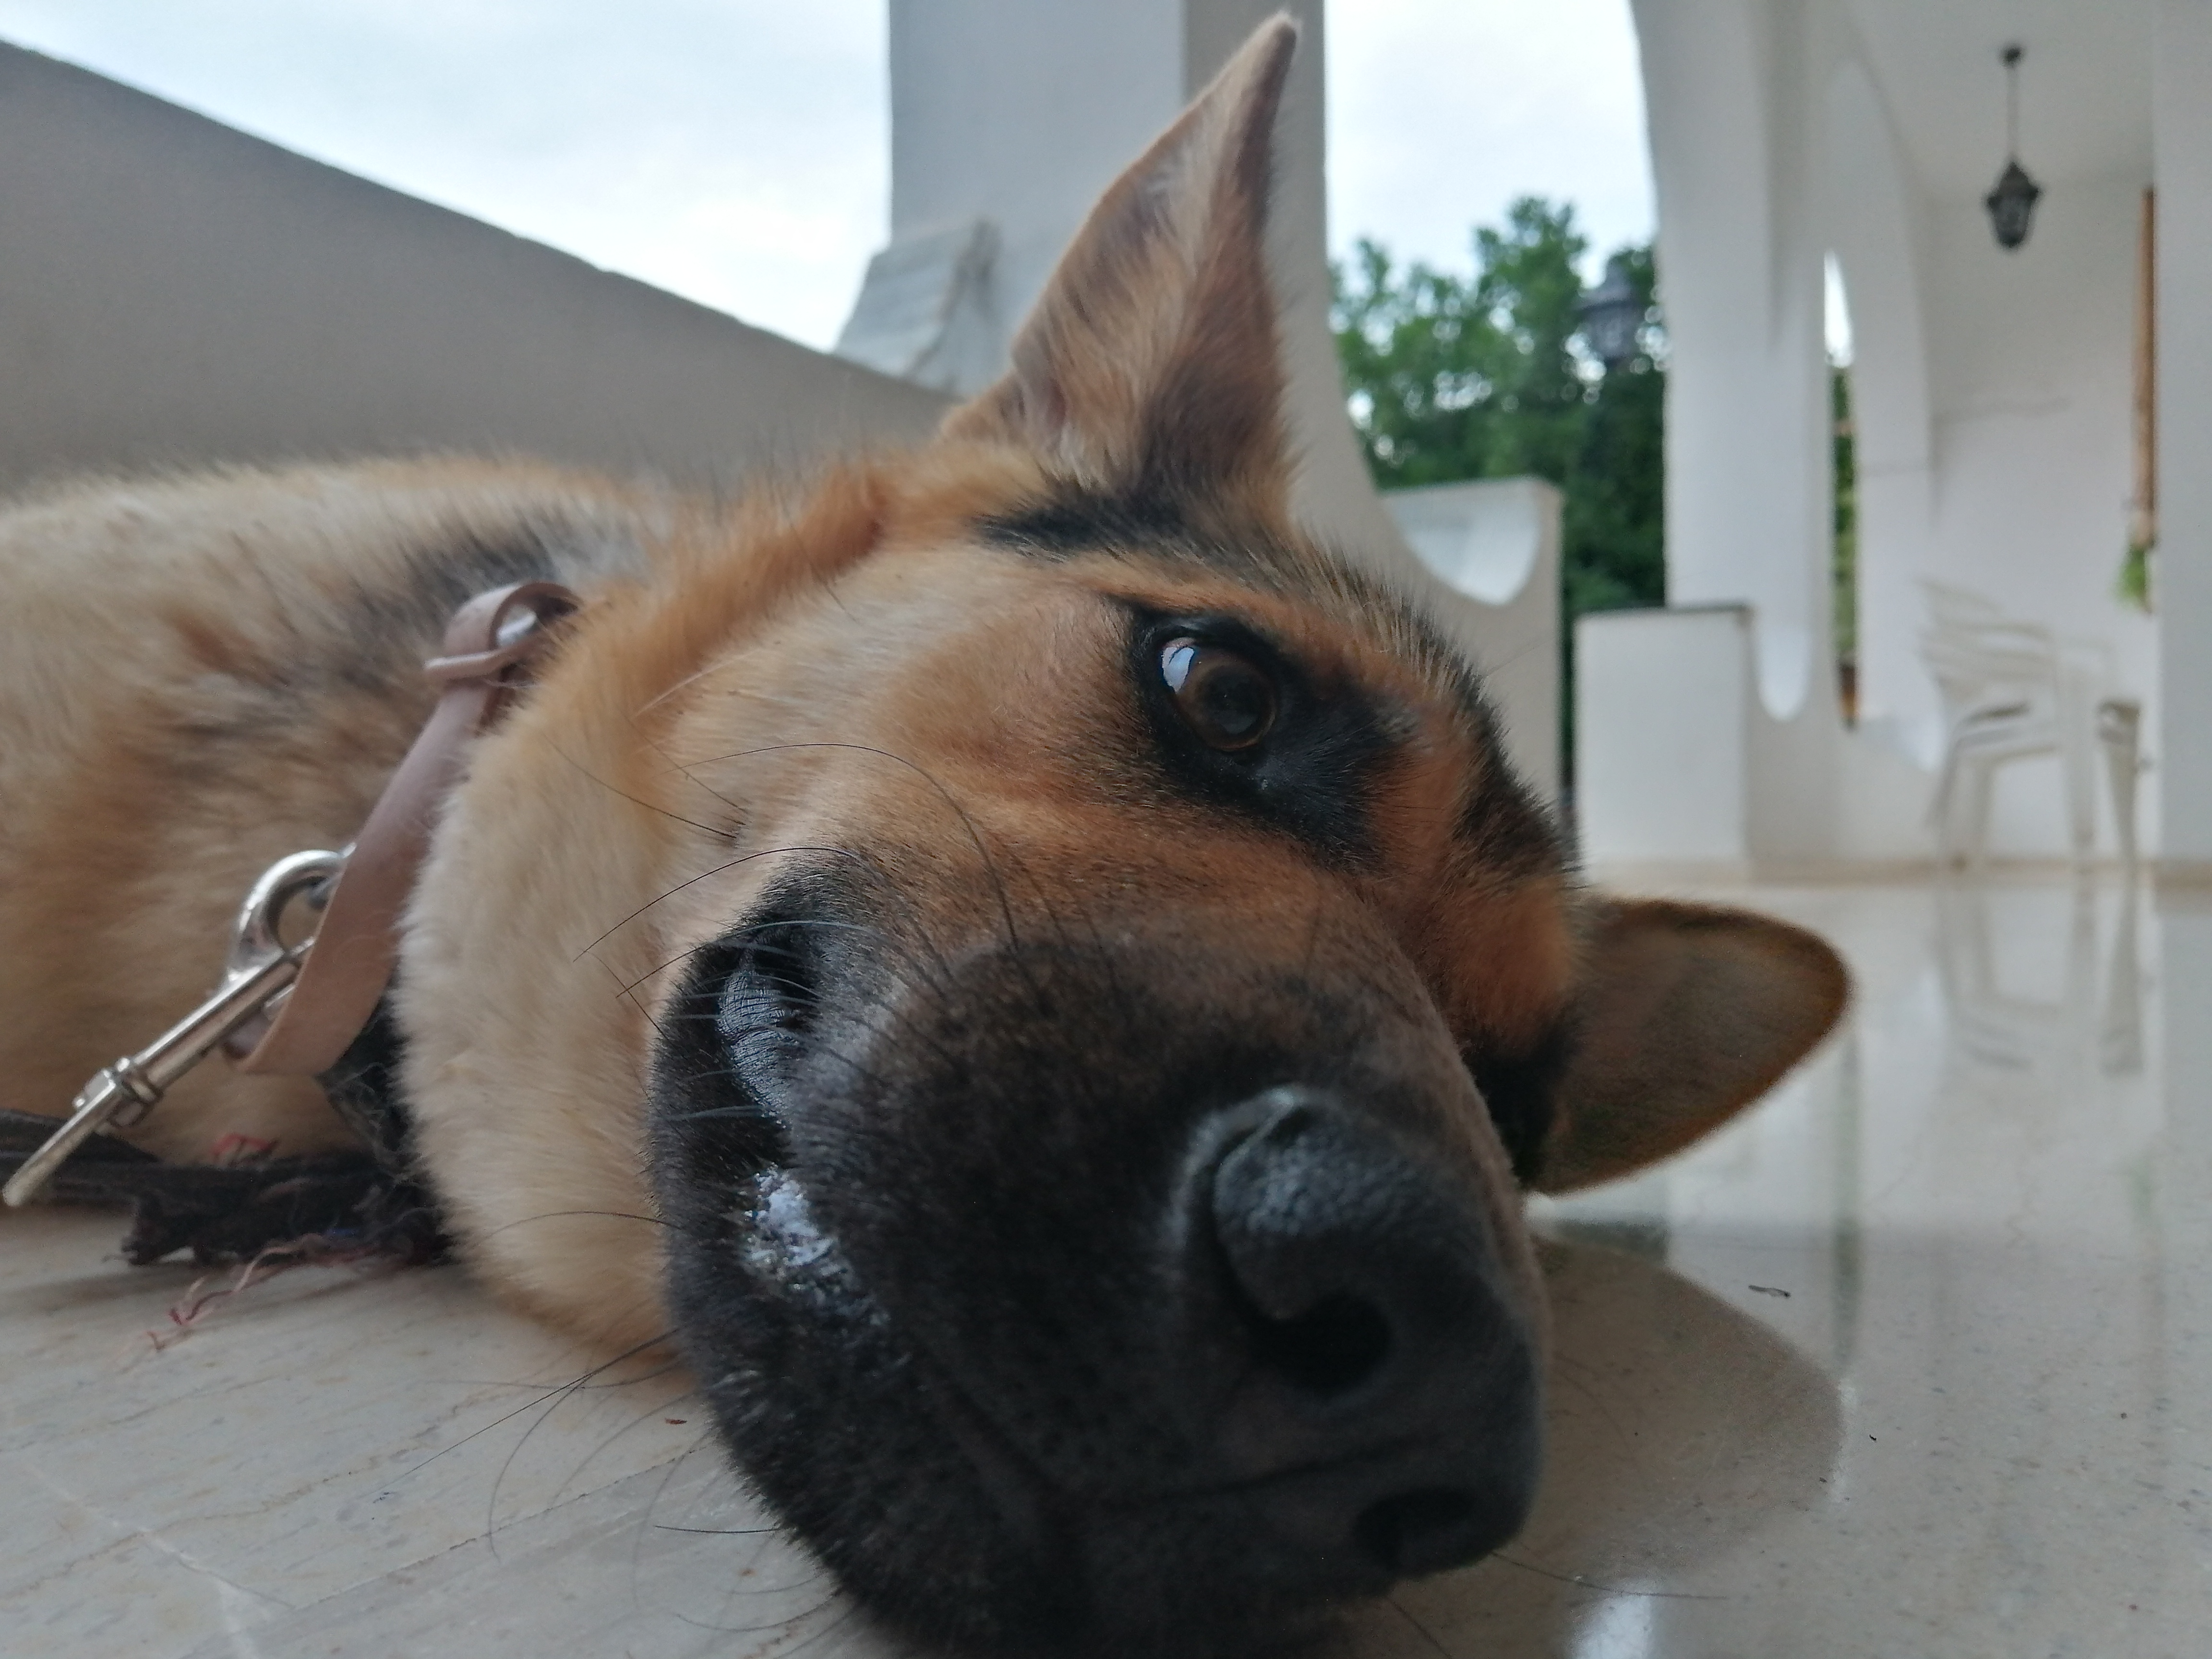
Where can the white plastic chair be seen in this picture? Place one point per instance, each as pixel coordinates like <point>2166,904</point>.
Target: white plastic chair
<point>2014,690</point>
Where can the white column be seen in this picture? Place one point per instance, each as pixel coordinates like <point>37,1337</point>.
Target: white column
<point>2181,99</point>
<point>1873,209</point>
<point>1748,474</point>
<point>1018,115</point>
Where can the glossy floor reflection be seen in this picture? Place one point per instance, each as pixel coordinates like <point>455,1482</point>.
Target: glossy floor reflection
<point>1916,1359</point>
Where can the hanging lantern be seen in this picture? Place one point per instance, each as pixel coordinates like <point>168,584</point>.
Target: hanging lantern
<point>1611,315</point>
<point>2012,203</point>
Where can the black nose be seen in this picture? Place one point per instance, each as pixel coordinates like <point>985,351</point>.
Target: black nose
<point>1377,1394</point>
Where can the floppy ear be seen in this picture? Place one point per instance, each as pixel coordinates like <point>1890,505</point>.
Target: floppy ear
<point>1684,1016</point>
<point>1148,371</point>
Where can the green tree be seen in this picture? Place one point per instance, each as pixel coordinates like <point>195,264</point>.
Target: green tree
<point>1484,376</point>
<point>1454,377</point>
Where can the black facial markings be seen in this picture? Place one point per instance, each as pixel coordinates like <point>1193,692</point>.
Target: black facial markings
<point>1508,830</point>
<point>1071,523</point>
<point>1313,774</point>
<point>731,1036</point>
<point>1074,522</point>
<point>1522,1091</point>
<point>1502,823</point>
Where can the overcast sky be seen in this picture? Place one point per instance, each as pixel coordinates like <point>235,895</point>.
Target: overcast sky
<point>736,150</point>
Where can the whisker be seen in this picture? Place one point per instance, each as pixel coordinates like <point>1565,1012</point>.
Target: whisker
<point>646,1415</point>
<point>659,1492</point>
<point>507,1464</point>
<point>755,1630</point>
<point>1577,1580</point>
<point>826,1631</point>
<point>634,800</point>
<point>554,1215</point>
<point>747,858</point>
<point>766,927</point>
<point>1427,1635</point>
<point>550,1394</point>
<point>974,836</point>
<point>928,973</point>
<point>630,996</point>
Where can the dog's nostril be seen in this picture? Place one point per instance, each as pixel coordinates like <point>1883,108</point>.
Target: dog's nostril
<point>1330,1349</point>
<point>1420,1531</point>
<point>1366,1380</point>
<point>771,996</point>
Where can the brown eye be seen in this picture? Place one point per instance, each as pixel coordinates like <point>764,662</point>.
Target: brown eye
<point>1224,698</point>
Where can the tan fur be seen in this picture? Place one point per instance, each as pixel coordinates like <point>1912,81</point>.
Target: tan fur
<point>134,613</point>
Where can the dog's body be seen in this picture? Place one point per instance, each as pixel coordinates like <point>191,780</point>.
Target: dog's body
<point>998,955</point>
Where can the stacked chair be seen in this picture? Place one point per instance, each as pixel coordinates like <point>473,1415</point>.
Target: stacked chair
<point>2013,690</point>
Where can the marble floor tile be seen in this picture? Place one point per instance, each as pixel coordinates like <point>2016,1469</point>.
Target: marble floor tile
<point>1915,1359</point>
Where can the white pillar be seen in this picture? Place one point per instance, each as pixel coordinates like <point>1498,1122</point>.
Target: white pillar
<point>2181,101</point>
<point>1747,472</point>
<point>1872,208</point>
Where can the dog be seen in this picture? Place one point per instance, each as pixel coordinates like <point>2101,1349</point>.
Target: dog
<point>1036,977</point>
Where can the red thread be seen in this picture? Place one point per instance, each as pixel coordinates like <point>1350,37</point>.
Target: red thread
<point>234,1150</point>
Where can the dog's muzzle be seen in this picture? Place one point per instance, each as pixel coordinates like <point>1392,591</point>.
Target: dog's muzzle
<point>1096,1332</point>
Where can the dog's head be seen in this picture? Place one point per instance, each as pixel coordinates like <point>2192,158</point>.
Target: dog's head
<point>1093,1106</point>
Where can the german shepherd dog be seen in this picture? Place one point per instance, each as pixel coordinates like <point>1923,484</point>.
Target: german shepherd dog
<point>1037,974</point>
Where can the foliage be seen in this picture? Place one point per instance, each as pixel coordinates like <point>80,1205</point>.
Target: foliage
<point>1451,378</point>
<point>2132,586</point>
<point>1484,376</point>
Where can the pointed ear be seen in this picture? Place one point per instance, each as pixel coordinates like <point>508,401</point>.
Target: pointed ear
<point>1686,1016</point>
<point>1149,369</point>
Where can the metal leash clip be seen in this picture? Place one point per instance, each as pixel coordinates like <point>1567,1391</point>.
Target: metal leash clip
<point>261,970</point>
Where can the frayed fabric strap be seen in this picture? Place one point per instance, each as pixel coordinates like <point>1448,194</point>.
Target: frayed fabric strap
<point>488,646</point>
<point>350,1204</point>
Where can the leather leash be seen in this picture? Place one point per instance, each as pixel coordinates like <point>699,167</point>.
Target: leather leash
<point>297,1010</point>
<point>354,950</point>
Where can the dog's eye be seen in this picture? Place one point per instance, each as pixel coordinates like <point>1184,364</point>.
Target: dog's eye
<point>1223,697</point>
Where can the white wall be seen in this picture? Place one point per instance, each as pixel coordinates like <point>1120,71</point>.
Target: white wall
<point>174,292</point>
<point>1682,768</point>
<point>1663,706</point>
<point>2031,368</point>
<point>1992,388</point>
<point>1495,543</point>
